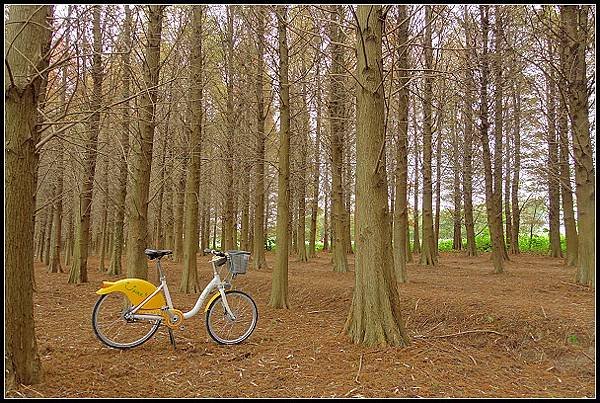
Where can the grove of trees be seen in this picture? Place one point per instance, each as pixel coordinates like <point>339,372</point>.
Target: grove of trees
<point>379,131</point>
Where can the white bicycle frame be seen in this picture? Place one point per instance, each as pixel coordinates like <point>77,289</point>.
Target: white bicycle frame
<point>214,283</point>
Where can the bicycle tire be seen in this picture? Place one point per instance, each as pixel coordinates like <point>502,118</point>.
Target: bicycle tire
<point>108,340</point>
<point>237,310</point>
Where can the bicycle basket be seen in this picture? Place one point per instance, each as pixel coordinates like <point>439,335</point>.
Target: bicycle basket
<point>238,261</point>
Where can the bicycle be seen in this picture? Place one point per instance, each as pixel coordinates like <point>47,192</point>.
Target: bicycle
<point>130,311</point>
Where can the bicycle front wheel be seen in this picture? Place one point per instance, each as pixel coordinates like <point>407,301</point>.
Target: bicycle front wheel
<point>227,330</point>
<point>115,328</point>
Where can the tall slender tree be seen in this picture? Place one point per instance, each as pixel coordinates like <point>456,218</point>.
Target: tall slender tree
<point>429,248</point>
<point>78,272</point>
<point>279,279</point>
<point>141,156</point>
<point>258,256</point>
<point>401,203</point>
<point>189,278</point>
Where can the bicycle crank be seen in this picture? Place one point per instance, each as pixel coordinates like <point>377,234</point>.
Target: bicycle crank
<point>174,318</point>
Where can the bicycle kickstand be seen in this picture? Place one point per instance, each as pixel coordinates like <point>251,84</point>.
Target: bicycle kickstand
<point>172,339</point>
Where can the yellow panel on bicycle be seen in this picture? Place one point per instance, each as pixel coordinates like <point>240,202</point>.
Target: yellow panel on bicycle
<point>136,291</point>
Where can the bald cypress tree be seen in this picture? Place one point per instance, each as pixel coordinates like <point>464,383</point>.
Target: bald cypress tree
<point>374,317</point>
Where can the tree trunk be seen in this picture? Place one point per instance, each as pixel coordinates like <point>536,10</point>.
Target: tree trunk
<point>514,190</point>
<point>428,251</point>
<point>575,20</point>
<point>498,231</point>
<point>119,215</point>
<point>279,279</point>
<point>78,272</point>
<point>258,257</point>
<point>552,164</point>
<point>316,169</point>
<point>566,189</point>
<point>48,232</point>
<point>137,265</point>
<point>303,138</point>
<point>487,163</point>
<point>416,231</point>
<point>326,210</point>
<point>189,279</point>
<point>230,212</point>
<point>374,317</point>
<point>28,32</point>
<point>340,262</point>
<point>456,193</point>
<point>104,213</point>
<point>400,226</point>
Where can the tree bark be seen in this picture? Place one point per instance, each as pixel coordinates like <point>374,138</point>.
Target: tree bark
<point>400,226</point>
<point>374,317</point>
<point>119,215</point>
<point>78,272</point>
<point>189,279</point>
<point>279,279</point>
<point>27,31</point>
<point>340,262</point>
<point>498,231</point>
<point>490,205</point>
<point>258,257</point>
<point>566,189</point>
<point>552,164</point>
<point>428,251</point>
<point>316,169</point>
<point>575,21</point>
<point>137,265</point>
<point>514,190</point>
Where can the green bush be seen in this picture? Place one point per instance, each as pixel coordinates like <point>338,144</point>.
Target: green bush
<point>540,244</point>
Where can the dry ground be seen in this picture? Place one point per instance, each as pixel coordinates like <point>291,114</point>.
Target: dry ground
<point>528,332</point>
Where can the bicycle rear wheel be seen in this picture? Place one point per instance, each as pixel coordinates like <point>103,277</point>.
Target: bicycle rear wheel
<point>113,328</point>
<point>225,330</point>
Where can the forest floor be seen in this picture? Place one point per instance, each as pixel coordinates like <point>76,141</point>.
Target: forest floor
<point>529,332</point>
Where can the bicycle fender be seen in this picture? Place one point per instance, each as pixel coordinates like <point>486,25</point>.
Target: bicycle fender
<point>215,296</point>
<point>136,291</point>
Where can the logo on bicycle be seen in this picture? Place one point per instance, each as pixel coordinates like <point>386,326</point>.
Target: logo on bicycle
<point>134,290</point>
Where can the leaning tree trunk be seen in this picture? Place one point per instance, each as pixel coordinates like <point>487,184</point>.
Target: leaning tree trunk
<point>117,249</point>
<point>279,278</point>
<point>189,278</point>
<point>137,265</point>
<point>374,317</point>
<point>26,31</point>
<point>575,21</point>
<point>400,226</point>
<point>78,272</point>
<point>428,250</point>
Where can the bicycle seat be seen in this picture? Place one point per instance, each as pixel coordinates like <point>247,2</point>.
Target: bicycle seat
<point>153,254</point>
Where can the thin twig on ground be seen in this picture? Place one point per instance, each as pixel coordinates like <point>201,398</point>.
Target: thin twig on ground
<point>460,333</point>
<point>359,368</point>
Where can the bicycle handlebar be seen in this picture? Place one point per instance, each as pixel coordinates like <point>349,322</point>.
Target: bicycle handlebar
<point>214,252</point>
